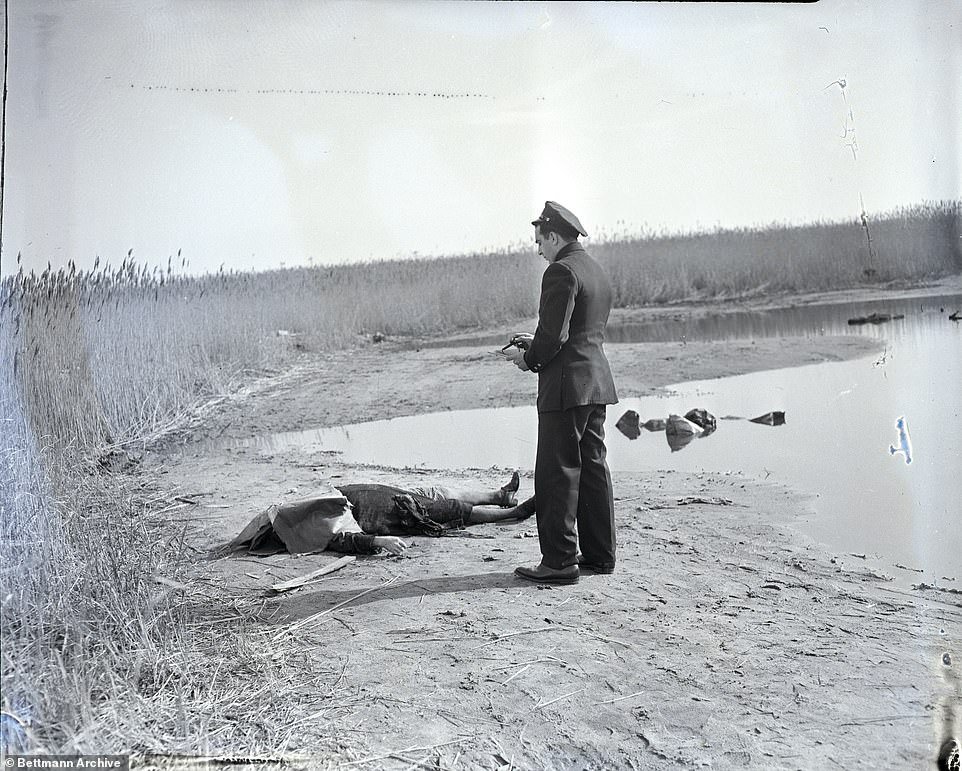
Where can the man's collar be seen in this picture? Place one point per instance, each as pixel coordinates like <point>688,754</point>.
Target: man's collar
<point>564,251</point>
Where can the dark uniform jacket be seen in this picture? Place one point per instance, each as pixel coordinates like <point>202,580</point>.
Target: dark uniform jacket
<point>568,347</point>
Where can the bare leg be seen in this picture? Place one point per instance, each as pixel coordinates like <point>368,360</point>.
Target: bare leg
<point>503,497</point>
<point>481,514</point>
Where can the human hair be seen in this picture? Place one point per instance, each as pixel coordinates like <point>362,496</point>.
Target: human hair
<point>563,229</point>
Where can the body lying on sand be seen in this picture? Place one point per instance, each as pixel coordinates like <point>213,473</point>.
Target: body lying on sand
<point>369,518</point>
<point>381,515</point>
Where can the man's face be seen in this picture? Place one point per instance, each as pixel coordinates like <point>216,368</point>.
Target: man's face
<point>547,244</point>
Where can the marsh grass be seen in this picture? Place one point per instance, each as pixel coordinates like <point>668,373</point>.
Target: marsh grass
<point>911,245</point>
<point>99,650</point>
<point>109,643</point>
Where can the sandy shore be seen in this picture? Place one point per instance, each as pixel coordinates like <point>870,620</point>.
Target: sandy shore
<point>725,639</point>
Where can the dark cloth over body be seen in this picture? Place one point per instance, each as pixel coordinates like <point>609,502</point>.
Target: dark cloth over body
<point>376,510</point>
<point>572,481</point>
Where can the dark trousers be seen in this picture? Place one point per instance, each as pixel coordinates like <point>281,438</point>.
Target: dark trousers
<point>572,485</point>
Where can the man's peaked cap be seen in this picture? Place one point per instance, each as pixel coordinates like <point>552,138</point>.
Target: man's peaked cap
<point>556,214</point>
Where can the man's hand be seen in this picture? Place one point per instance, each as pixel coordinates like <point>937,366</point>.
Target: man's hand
<point>390,542</point>
<point>522,340</point>
<point>515,350</point>
<point>516,357</point>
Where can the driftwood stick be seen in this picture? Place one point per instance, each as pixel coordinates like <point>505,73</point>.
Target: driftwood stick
<point>286,586</point>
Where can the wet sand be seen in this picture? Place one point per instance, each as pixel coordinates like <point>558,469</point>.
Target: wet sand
<point>725,639</point>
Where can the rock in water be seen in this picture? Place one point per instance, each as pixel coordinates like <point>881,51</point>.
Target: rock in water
<point>628,424</point>
<point>679,432</point>
<point>703,419</point>
<point>770,419</point>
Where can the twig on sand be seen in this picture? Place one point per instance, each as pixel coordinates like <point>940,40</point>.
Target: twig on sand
<point>566,627</point>
<point>620,698</point>
<point>559,698</point>
<point>523,669</point>
<point>585,630</point>
<point>539,660</point>
<point>297,625</point>
<point>602,637</point>
<point>525,665</point>
<point>501,637</point>
<point>372,758</point>
<point>884,719</point>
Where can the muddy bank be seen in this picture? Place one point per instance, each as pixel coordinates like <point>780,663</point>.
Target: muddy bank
<point>724,640</point>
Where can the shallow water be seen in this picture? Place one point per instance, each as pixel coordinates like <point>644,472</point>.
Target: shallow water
<point>835,444</point>
<point>802,320</point>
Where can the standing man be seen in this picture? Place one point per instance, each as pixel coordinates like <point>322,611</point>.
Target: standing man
<point>571,478</point>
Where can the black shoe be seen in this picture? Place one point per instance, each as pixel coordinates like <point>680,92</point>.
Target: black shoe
<point>605,569</point>
<point>948,759</point>
<point>542,574</point>
<point>506,497</point>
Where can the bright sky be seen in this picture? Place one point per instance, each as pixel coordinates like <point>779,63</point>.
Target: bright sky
<point>255,133</point>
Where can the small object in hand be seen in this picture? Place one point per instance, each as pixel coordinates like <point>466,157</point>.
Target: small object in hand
<point>518,341</point>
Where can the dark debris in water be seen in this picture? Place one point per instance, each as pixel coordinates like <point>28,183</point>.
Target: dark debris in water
<point>775,418</point>
<point>875,318</point>
<point>629,424</point>
<point>697,423</point>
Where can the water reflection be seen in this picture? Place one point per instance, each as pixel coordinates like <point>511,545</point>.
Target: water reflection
<point>802,320</point>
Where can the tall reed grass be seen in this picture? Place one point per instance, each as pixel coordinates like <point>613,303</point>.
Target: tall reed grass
<point>113,357</point>
<point>909,245</point>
